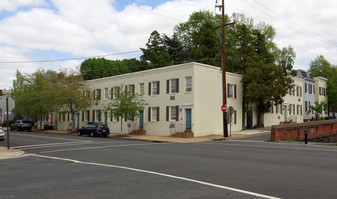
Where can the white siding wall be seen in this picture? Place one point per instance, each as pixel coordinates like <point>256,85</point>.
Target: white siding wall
<point>275,118</point>
<point>208,100</point>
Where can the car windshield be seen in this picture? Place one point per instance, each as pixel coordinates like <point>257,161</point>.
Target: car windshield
<point>28,122</point>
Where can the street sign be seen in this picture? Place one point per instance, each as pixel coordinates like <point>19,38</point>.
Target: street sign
<point>224,108</point>
<point>231,110</point>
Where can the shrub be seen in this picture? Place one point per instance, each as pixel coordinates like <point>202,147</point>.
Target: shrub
<point>4,124</point>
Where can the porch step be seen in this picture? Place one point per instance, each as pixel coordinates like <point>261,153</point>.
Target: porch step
<point>186,134</point>
<point>138,132</point>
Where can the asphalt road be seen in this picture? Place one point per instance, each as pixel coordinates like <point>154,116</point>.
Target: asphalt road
<point>68,166</point>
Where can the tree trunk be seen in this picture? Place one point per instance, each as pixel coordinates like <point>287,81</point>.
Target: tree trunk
<point>121,125</point>
<point>73,121</point>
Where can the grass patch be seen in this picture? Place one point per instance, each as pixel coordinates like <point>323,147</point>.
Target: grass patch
<point>289,140</point>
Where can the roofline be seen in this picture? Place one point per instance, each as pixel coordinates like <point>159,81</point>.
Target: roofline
<point>164,68</point>
<point>321,78</point>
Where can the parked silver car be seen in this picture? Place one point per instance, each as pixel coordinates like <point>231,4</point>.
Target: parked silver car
<point>22,125</point>
<point>2,134</point>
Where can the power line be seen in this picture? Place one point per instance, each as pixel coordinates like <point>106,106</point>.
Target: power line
<point>67,59</point>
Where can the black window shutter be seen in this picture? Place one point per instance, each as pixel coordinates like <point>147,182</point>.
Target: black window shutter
<point>167,113</point>
<point>93,115</point>
<point>177,113</point>
<point>112,93</point>
<point>158,88</point>
<point>82,116</point>
<point>149,112</point>
<point>158,114</point>
<point>149,89</point>
<point>227,90</point>
<point>177,85</point>
<point>167,86</point>
<point>235,91</point>
<point>88,115</point>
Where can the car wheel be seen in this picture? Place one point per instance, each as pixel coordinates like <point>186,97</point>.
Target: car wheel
<point>92,134</point>
<point>29,130</point>
<point>79,133</point>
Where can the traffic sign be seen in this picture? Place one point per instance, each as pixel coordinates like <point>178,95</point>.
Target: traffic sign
<point>224,108</point>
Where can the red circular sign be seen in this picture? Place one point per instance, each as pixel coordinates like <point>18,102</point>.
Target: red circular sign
<point>224,108</point>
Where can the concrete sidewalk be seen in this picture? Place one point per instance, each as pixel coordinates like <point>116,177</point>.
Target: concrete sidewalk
<point>209,138</point>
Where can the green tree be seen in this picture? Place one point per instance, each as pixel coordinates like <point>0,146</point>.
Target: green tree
<point>322,67</point>
<point>156,53</point>
<point>72,94</point>
<point>34,93</point>
<point>318,108</point>
<point>200,37</point>
<point>100,67</point>
<point>125,104</point>
<point>264,81</point>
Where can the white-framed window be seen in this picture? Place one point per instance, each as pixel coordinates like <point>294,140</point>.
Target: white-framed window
<point>188,84</point>
<point>132,88</point>
<point>106,93</point>
<point>310,88</point>
<point>277,108</point>
<point>154,116</point>
<point>155,88</point>
<point>231,90</point>
<point>98,94</point>
<point>174,113</point>
<point>173,86</point>
<point>116,90</point>
<point>98,115</point>
<point>141,89</point>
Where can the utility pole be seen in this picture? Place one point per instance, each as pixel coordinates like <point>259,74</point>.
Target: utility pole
<point>223,62</point>
<point>7,123</point>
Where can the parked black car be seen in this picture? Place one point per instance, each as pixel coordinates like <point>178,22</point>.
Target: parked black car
<point>94,129</point>
<point>22,125</point>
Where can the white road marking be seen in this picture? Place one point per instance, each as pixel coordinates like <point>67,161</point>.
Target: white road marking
<point>38,146</point>
<point>161,174</point>
<point>278,147</point>
<point>99,147</point>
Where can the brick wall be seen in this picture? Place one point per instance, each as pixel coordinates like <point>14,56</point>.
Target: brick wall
<point>296,131</point>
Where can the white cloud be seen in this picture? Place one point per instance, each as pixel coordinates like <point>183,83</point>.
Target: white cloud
<point>80,28</point>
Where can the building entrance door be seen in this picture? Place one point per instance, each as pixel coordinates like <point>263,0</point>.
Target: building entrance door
<point>188,119</point>
<point>141,119</point>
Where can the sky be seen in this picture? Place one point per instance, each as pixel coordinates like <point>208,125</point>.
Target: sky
<point>52,34</point>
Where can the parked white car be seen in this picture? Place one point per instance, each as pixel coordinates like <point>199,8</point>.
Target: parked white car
<point>2,134</point>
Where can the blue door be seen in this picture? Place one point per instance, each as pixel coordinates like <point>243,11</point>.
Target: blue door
<point>141,119</point>
<point>188,119</point>
<point>105,118</point>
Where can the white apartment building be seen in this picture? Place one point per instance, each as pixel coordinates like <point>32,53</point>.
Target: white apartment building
<point>180,98</point>
<point>290,110</point>
<point>321,93</point>
<point>188,98</point>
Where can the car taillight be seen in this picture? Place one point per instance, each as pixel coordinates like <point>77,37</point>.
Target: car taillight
<point>97,129</point>
<point>22,124</point>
